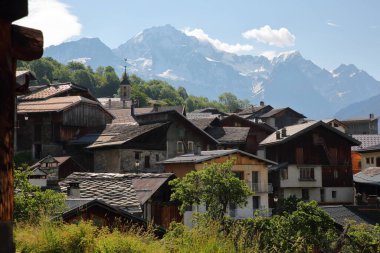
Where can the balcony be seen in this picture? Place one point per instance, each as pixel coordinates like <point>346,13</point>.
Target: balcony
<point>260,187</point>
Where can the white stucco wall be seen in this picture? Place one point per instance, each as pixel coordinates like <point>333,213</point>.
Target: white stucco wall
<point>38,182</point>
<point>294,175</point>
<point>343,194</point>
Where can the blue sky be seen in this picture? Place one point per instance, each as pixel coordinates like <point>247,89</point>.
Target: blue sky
<point>327,32</point>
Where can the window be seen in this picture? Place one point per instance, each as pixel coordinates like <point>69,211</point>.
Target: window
<point>157,157</point>
<point>239,174</point>
<point>190,147</point>
<point>305,194</point>
<point>147,161</point>
<point>179,147</point>
<point>333,194</point>
<point>256,202</point>
<point>336,174</point>
<point>372,160</point>
<point>299,156</point>
<point>284,173</point>
<point>367,160</point>
<point>307,174</point>
<point>137,155</point>
<point>322,191</point>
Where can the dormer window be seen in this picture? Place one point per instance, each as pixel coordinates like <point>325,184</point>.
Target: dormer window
<point>190,147</point>
<point>180,147</point>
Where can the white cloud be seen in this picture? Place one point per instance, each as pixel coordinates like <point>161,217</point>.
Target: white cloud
<point>332,24</point>
<point>54,19</point>
<point>169,74</point>
<point>280,38</point>
<point>222,46</point>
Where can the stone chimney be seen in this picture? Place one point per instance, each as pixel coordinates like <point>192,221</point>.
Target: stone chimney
<point>155,107</point>
<point>371,116</point>
<point>262,103</point>
<point>73,190</point>
<point>278,135</point>
<point>197,150</point>
<point>283,132</point>
<point>109,103</point>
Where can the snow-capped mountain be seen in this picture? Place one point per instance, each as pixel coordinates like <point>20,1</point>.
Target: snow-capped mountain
<point>286,80</point>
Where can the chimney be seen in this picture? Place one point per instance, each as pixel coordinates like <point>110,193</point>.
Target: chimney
<point>109,103</point>
<point>278,135</point>
<point>283,132</point>
<point>73,190</point>
<point>155,108</point>
<point>262,103</point>
<point>133,108</point>
<point>371,116</point>
<point>197,150</point>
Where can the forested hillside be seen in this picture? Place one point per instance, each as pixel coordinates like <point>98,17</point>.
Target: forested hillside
<point>104,82</point>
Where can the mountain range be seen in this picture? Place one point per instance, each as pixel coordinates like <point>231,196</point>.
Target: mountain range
<point>286,80</point>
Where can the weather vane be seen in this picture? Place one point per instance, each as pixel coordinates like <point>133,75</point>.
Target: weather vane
<point>125,66</point>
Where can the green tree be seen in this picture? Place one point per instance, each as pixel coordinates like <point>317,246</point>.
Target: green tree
<point>182,92</point>
<point>215,186</point>
<point>287,205</point>
<point>30,202</point>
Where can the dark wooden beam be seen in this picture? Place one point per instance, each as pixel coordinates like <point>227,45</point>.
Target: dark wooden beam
<point>21,43</point>
<point>7,108</point>
<point>27,43</point>
<point>11,10</point>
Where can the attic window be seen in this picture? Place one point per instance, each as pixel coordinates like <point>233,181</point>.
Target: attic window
<point>137,155</point>
<point>179,147</point>
<point>190,147</point>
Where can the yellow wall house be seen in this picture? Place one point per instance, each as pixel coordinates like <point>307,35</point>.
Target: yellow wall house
<point>370,156</point>
<point>250,168</point>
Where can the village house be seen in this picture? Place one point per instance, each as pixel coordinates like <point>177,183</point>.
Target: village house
<point>258,131</point>
<point>249,168</point>
<point>49,170</point>
<point>315,163</point>
<point>282,117</point>
<point>337,124</point>
<point>146,195</point>
<point>102,214</point>
<point>362,125</point>
<point>235,132</point>
<point>367,186</point>
<point>254,112</point>
<point>366,140</point>
<point>50,116</point>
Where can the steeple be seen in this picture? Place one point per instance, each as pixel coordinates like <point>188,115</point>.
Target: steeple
<point>125,86</point>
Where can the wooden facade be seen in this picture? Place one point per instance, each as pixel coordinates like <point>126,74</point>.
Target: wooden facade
<point>257,131</point>
<point>318,160</point>
<point>47,133</point>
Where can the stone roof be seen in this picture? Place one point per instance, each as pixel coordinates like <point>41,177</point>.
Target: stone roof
<point>252,109</point>
<point>51,159</point>
<point>229,135</point>
<point>369,175</point>
<point>54,104</point>
<point>203,123</point>
<point>367,140</point>
<point>342,215</point>
<point>127,191</point>
<point>374,148</point>
<point>275,111</point>
<point>297,130</point>
<point>117,134</point>
<point>209,155</point>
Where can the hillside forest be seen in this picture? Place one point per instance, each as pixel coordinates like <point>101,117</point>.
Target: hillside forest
<point>104,82</point>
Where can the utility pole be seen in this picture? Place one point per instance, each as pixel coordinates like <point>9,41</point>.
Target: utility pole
<point>16,43</point>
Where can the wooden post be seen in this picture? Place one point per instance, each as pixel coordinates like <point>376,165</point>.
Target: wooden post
<point>15,43</point>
